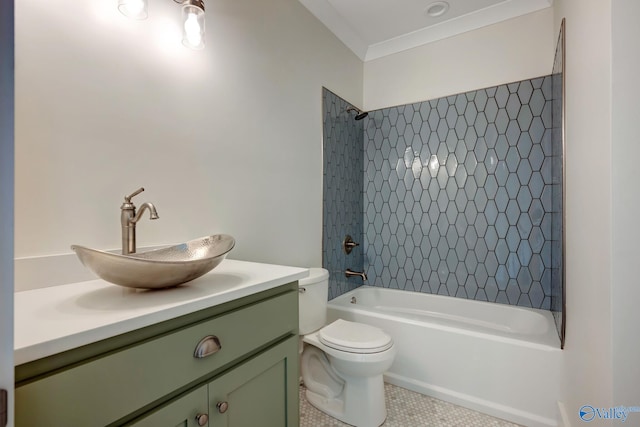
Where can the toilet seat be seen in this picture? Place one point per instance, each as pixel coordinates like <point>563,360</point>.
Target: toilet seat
<point>354,337</point>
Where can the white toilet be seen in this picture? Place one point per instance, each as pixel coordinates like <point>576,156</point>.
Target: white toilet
<point>341,363</point>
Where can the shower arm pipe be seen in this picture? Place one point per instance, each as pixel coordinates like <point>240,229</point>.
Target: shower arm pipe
<point>359,113</point>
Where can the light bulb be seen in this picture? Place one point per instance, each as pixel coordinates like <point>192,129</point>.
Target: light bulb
<point>193,28</point>
<point>136,9</point>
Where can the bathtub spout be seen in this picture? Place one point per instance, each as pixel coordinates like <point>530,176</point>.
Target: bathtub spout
<point>349,273</point>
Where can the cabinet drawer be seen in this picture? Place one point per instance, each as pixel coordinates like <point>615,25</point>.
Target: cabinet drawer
<point>104,390</point>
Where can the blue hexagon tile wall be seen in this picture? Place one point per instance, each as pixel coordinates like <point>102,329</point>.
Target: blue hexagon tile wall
<point>343,158</point>
<point>458,195</point>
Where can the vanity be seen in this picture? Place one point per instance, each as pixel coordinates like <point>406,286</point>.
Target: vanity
<point>221,350</point>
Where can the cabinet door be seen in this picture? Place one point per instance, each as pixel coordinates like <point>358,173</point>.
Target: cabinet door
<point>190,410</point>
<point>262,391</point>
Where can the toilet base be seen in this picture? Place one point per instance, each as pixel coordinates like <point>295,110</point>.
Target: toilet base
<point>361,403</point>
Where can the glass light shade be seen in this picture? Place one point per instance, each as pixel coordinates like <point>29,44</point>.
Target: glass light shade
<point>135,9</point>
<point>193,26</point>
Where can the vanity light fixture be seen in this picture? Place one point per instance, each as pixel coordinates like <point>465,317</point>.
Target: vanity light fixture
<point>192,18</point>
<point>193,23</point>
<point>134,9</point>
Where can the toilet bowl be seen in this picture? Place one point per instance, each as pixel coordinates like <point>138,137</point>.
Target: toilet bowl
<point>341,363</point>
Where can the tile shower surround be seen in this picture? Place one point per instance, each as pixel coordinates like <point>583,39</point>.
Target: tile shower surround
<point>342,192</point>
<point>457,195</point>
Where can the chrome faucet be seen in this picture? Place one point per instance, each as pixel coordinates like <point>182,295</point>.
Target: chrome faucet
<point>129,218</point>
<point>349,273</point>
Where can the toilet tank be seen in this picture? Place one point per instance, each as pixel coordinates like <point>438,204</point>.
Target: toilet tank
<point>313,296</point>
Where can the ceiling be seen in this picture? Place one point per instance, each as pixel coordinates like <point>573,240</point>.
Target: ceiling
<point>376,28</point>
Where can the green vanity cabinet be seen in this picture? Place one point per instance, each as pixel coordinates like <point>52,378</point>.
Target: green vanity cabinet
<point>151,376</point>
<point>256,393</point>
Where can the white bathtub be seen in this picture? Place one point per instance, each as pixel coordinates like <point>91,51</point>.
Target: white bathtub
<point>494,358</point>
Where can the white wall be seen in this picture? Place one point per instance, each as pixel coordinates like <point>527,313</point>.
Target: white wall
<point>588,204</point>
<point>512,50</point>
<point>626,205</point>
<point>6,200</point>
<point>225,140</point>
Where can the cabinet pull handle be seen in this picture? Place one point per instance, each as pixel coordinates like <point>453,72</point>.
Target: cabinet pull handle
<point>202,419</point>
<point>222,407</point>
<point>207,346</point>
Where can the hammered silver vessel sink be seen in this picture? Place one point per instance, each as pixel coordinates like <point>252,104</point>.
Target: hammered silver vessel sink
<point>158,268</point>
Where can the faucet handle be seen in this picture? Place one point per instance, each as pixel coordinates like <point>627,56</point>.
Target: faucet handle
<point>348,244</point>
<point>127,199</point>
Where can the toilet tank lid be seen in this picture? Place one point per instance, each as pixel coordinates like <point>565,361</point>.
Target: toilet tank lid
<point>315,275</point>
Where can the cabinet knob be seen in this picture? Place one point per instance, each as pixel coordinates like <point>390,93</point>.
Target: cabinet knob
<point>202,419</point>
<point>222,407</point>
<point>207,346</point>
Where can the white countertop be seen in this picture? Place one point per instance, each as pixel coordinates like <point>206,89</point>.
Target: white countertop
<point>55,319</point>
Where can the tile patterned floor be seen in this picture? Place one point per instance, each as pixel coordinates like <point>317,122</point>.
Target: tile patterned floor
<point>408,409</point>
